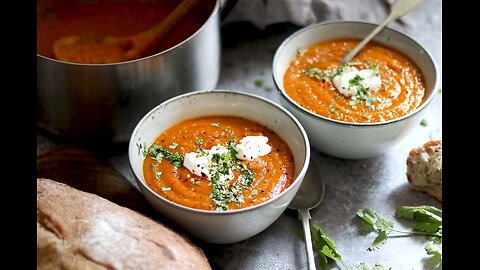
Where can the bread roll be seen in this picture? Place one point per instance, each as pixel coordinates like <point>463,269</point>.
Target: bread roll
<point>424,168</point>
<point>79,230</point>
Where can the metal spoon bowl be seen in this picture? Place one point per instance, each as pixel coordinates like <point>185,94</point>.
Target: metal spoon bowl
<point>309,196</point>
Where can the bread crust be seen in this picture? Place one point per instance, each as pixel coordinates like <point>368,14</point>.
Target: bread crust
<point>424,168</point>
<point>79,230</point>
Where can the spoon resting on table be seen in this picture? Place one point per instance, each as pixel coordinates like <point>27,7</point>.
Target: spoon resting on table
<point>309,196</point>
<point>398,9</point>
<point>113,49</point>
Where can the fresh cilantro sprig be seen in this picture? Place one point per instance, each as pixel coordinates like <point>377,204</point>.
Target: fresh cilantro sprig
<point>428,224</point>
<point>324,246</point>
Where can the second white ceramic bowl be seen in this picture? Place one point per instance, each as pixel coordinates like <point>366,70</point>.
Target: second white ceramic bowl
<point>221,226</point>
<point>354,140</point>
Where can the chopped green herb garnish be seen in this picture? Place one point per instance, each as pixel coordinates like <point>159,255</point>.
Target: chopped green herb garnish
<point>424,122</point>
<point>376,69</point>
<point>142,148</point>
<point>201,151</point>
<point>318,74</point>
<point>259,83</point>
<point>173,145</point>
<point>154,165</point>
<point>332,108</point>
<point>440,90</point>
<point>215,124</point>
<point>254,192</point>
<point>222,193</point>
<point>199,141</point>
<point>165,189</point>
<point>229,131</point>
<point>300,51</point>
<point>362,92</point>
<point>159,152</point>
<point>268,89</point>
<point>247,175</point>
<point>158,175</point>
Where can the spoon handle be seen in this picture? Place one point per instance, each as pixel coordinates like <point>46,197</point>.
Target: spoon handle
<point>304,215</point>
<point>399,8</point>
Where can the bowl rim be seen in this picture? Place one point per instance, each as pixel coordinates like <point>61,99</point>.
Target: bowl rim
<point>301,175</point>
<point>213,13</point>
<point>352,124</point>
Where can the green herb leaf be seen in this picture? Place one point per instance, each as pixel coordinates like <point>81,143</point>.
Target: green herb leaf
<point>268,88</point>
<point>362,266</point>
<point>379,241</point>
<point>199,141</point>
<point>158,175</point>
<point>259,83</point>
<point>142,149</point>
<point>434,249</point>
<point>165,189</point>
<point>173,145</point>
<point>381,225</point>
<point>300,51</point>
<point>332,108</point>
<point>427,220</point>
<point>158,152</point>
<point>378,266</point>
<point>215,124</point>
<point>424,122</point>
<point>324,246</point>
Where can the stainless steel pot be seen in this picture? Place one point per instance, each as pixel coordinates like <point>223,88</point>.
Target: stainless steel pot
<point>92,101</point>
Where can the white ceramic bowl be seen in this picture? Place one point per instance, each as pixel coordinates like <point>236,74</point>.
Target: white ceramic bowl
<point>232,225</point>
<point>354,140</point>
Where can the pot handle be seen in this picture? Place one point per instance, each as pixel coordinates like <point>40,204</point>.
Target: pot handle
<point>225,7</point>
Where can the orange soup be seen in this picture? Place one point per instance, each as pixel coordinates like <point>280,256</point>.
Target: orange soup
<point>209,163</point>
<point>60,18</point>
<point>309,81</point>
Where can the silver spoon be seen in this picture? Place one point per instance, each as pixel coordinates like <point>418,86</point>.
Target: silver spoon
<point>398,9</point>
<point>309,196</point>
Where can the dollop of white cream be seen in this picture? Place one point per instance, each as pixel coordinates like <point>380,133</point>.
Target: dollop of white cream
<point>252,147</point>
<point>249,148</point>
<point>200,164</point>
<point>196,163</point>
<point>342,81</point>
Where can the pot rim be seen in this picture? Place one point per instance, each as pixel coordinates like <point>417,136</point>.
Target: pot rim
<point>192,36</point>
<point>350,124</point>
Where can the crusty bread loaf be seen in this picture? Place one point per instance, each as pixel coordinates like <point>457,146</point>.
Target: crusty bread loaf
<point>79,230</point>
<point>424,168</point>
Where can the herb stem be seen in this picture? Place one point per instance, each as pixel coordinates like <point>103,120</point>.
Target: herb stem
<point>344,264</point>
<point>390,228</point>
<point>415,232</point>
